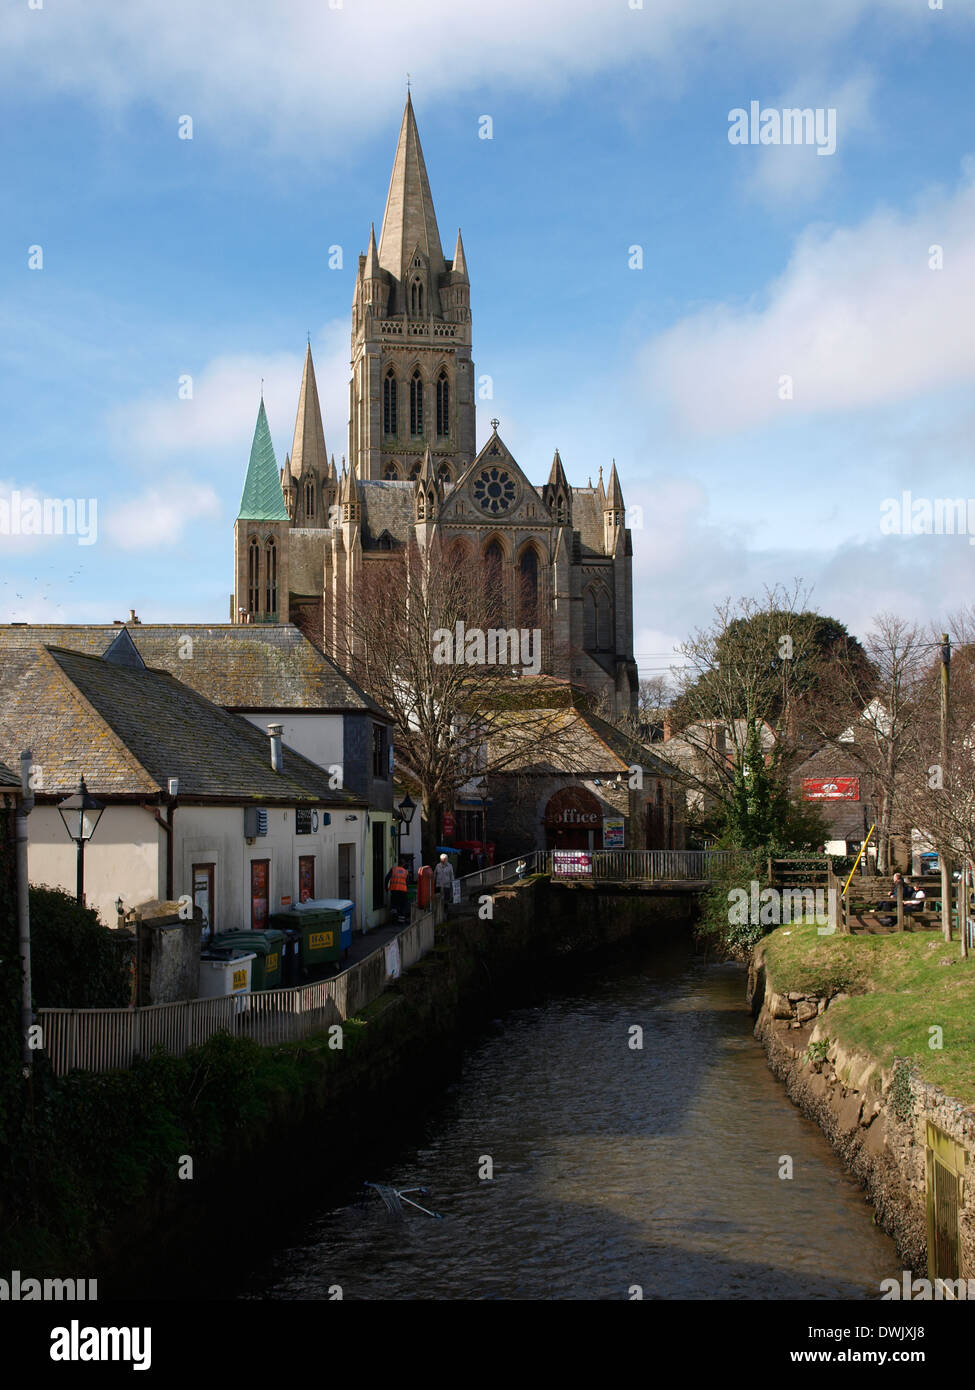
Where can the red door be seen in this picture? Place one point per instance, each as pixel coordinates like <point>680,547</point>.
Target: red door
<point>306,877</point>
<point>260,881</point>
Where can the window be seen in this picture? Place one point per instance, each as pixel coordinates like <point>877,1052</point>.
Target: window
<point>597,620</point>
<point>389,403</point>
<point>254,576</point>
<point>391,471</point>
<point>443,405</point>
<point>271,575</point>
<point>380,751</point>
<point>529,588</point>
<point>443,473</point>
<point>494,584</point>
<point>416,404</point>
<point>309,499</point>
<point>415,472</point>
<point>416,298</point>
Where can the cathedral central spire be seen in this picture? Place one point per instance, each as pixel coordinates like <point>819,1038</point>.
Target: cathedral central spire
<point>409,220</point>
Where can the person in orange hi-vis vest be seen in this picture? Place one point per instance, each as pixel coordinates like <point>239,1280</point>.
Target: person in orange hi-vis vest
<point>396,881</point>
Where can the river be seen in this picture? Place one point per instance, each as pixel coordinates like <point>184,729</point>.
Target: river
<point>615,1169</point>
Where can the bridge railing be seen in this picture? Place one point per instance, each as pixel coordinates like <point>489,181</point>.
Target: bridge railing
<point>604,865</point>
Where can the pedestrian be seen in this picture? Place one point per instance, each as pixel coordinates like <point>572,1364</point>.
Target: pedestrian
<point>396,882</point>
<point>443,881</point>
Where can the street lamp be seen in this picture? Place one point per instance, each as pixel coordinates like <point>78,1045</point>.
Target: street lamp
<point>81,814</point>
<point>406,810</point>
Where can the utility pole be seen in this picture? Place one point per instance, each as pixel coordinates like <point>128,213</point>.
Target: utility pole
<point>942,848</point>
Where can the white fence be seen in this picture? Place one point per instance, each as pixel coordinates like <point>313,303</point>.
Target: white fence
<point>108,1039</point>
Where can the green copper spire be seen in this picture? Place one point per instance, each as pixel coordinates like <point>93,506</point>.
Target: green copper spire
<point>262,499</point>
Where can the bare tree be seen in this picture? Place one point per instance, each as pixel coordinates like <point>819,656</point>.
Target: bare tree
<point>426,639</point>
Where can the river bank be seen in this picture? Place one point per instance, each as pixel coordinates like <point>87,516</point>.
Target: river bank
<point>815,1003</point>
<point>314,1114</point>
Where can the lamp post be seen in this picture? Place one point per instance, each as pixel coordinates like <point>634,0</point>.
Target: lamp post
<point>406,810</point>
<point>81,814</point>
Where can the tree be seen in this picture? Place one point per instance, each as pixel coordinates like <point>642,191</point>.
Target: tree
<point>742,696</point>
<point>876,715</point>
<point>426,639</point>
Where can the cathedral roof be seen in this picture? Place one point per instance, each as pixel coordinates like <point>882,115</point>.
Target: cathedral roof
<point>308,450</point>
<point>262,499</point>
<point>409,220</point>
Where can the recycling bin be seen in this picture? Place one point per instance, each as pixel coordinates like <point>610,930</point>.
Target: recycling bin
<point>344,905</point>
<point>321,933</point>
<point>224,971</point>
<point>291,973</point>
<point>268,948</point>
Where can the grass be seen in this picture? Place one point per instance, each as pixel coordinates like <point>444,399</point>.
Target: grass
<point>900,992</point>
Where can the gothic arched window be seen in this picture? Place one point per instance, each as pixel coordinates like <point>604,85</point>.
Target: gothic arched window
<point>389,403</point>
<point>444,474</point>
<point>416,404</point>
<point>309,499</point>
<point>597,620</point>
<point>443,404</point>
<point>494,584</point>
<point>529,587</point>
<point>416,298</point>
<point>271,575</point>
<point>391,471</point>
<point>415,471</point>
<point>254,575</point>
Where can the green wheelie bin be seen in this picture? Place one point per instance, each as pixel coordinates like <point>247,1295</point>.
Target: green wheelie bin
<point>321,933</point>
<point>268,946</point>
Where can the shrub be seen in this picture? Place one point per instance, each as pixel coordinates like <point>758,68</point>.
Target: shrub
<point>76,962</point>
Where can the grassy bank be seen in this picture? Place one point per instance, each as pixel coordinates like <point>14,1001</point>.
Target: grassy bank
<point>900,986</point>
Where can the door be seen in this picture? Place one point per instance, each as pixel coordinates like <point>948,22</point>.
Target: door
<point>347,873</point>
<point>306,877</point>
<point>203,880</point>
<point>260,892</point>
<point>378,863</point>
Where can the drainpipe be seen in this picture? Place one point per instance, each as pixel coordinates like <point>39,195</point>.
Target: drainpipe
<point>167,825</point>
<point>23,908</point>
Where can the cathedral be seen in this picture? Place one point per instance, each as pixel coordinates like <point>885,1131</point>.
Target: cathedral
<point>306,533</point>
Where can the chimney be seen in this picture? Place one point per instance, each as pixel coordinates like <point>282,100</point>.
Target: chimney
<point>668,732</point>
<point>133,618</point>
<point>277,761</point>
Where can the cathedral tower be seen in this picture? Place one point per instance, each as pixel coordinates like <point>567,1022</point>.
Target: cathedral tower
<point>412,384</point>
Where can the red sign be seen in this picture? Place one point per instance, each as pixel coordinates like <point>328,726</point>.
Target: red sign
<point>448,824</point>
<point>570,863</point>
<point>831,789</point>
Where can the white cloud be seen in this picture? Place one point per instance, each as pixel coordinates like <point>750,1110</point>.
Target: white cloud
<point>787,174</point>
<point>266,69</point>
<point>218,421</point>
<point>158,518</point>
<point>858,319</point>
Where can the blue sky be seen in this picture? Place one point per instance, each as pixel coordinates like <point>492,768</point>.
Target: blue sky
<point>209,257</point>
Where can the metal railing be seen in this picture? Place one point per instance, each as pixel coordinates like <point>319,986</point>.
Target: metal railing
<point>109,1039</point>
<point>604,865</point>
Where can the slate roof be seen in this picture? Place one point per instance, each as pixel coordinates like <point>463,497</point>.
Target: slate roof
<point>128,730</point>
<point>7,778</point>
<point>241,666</point>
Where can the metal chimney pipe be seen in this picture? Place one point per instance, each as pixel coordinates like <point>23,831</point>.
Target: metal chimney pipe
<point>275,732</point>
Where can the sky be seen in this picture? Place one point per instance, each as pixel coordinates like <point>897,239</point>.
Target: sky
<point>774,343</point>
